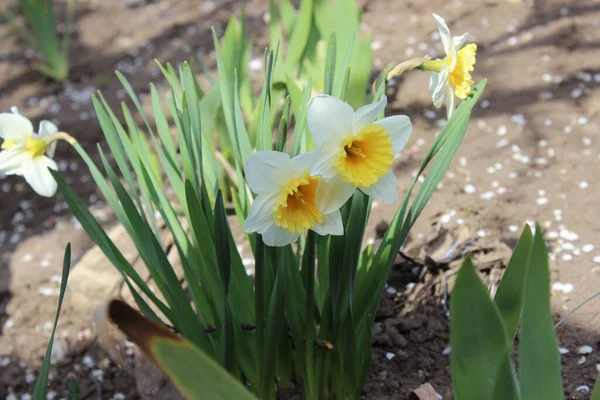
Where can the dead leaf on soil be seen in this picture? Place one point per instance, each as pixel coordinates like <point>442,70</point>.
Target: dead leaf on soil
<point>424,392</point>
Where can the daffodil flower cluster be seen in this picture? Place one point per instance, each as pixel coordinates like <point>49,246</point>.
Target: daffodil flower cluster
<point>29,154</point>
<point>354,151</point>
<point>451,75</point>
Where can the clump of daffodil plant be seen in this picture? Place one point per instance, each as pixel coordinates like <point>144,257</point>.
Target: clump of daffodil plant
<point>303,197</point>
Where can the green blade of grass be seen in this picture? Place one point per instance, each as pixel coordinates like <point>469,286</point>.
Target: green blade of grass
<point>41,386</point>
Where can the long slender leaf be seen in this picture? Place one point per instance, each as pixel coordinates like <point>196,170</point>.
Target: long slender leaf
<point>41,386</point>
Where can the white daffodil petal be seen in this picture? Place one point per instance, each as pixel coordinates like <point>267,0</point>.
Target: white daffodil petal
<point>449,102</point>
<point>333,194</point>
<point>46,128</point>
<point>324,159</point>
<point>445,34</point>
<point>332,225</point>
<point>328,117</point>
<point>441,81</point>
<point>385,189</point>
<point>14,126</point>
<point>460,41</point>
<point>366,115</point>
<point>277,237</point>
<point>260,217</point>
<point>267,170</point>
<point>36,173</point>
<point>11,161</point>
<point>302,163</point>
<point>399,128</point>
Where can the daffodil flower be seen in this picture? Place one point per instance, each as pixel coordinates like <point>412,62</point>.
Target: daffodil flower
<point>451,76</point>
<point>290,200</point>
<point>356,149</point>
<point>24,152</point>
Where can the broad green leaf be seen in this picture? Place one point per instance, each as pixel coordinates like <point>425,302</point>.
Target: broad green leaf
<point>539,359</point>
<point>507,387</point>
<point>192,372</point>
<point>478,341</point>
<point>41,386</point>
<point>509,297</point>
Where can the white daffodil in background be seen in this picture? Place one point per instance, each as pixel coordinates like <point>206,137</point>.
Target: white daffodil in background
<point>290,200</point>
<point>355,148</point>
<point>451,76</point>
<point>24,152</point>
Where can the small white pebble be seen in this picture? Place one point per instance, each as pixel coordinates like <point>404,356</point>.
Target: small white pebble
<point>481,233</point>
<point>391,290</point>
<point>563,350</point>
<point>501,131</point>
<point>583,185</point>
<point>583,389</point>
<point>567,257</point>
<point>389,356</point>
<point>513,228</point>
<point>542,200</point>
<point>470,189</point>
<point>446,351</point>
<point>487,195</point>
<point>585,349</point>
<point>596,259</point>
<point>587,248</point>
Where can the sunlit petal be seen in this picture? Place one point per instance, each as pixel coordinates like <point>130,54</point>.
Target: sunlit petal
<point>437,86</point>
<point>260,217</point>
<point>12,160</point>
<point>445,35</point>
<point>14,126</point>
<point>328,117</point>
<point>277,237</point>
<point>399,128</point>
<point>460,41</point>
<point>36,173</point>
<point>449,102</point>
<point>267,170</point>
<point>332,225</point>
<point>385,189</point>
<point>333,194</point>
<point>367,114</point>
<point>324,159</point>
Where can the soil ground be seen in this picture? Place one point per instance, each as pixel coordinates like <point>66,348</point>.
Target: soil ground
<point>531,153</point>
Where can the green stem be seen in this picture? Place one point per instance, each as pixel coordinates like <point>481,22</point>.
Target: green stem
<point>259,276</point>
<point>308,272</point>
<point>576,309</point>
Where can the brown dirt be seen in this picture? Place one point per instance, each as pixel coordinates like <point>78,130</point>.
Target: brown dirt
<point>530,154</point>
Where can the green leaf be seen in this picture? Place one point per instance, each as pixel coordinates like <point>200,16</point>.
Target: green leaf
<point>539,359</point>
<point>596,392</point>
<point>478,341</point>
<point>41,386</point>
<point>299,36</point>
<point>509,297</point>
<point>442,152</point>
<point>192,372</point>
<point>74,389</point>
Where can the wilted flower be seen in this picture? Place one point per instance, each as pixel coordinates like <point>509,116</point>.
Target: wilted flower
<point>451,76</point>
<point>290,200</point>
<point>26,153</point>
<point>352,146</point>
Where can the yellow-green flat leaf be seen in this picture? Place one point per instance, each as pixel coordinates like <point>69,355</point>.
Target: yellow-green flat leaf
<point>193,373</point>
